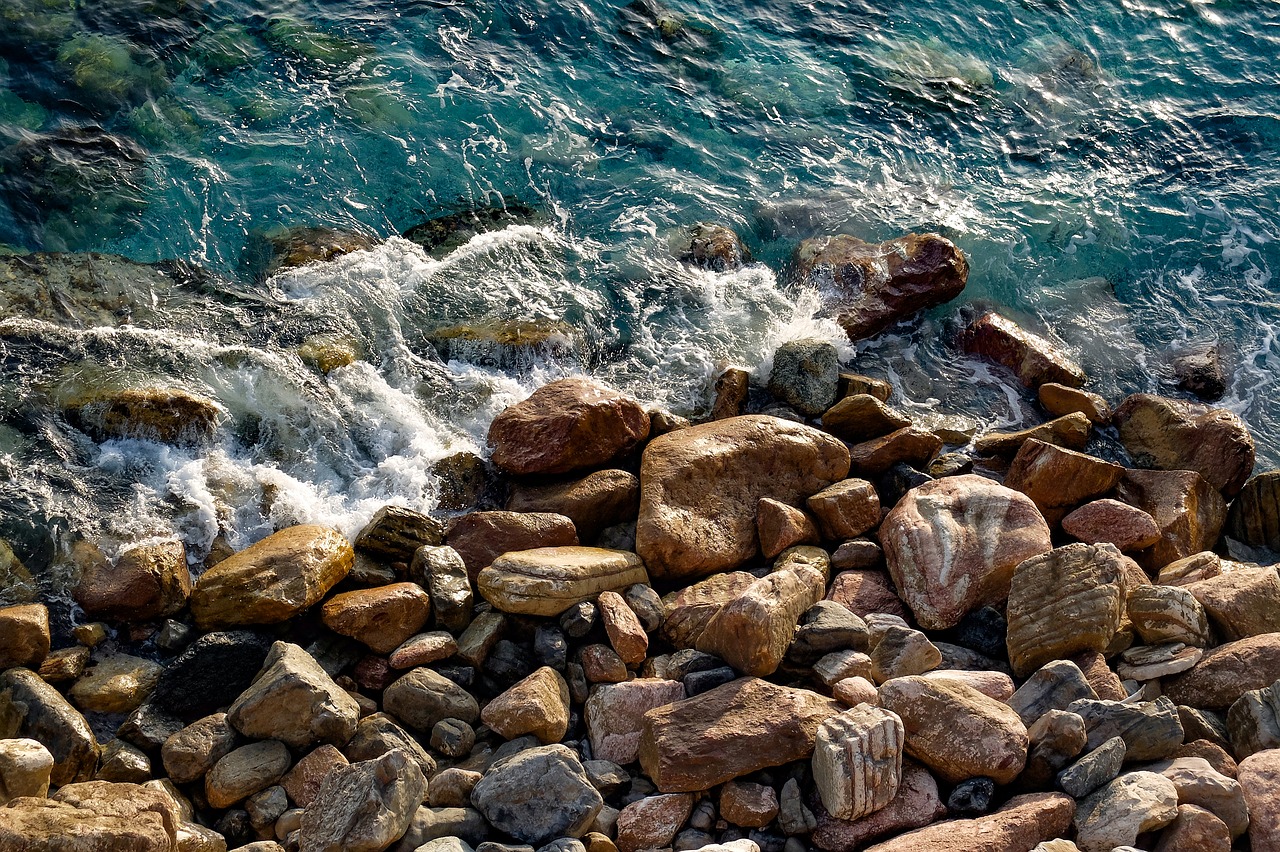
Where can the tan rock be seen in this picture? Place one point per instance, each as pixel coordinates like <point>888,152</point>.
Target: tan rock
<point>168,415</point>
<point>116,684</point>
<point>1259,777</point>
<point>902,651</point>
<point>148,581</point>
<point>1194,830</point>
<point>847,509</point>
<point>861,417</point>
<point>1110,521</point>
<point>1170,434</point>
<point>863,592</point>
<point>1227,672</point>
<point>1197,566</point>
<point>1200,784</point>
<point>32,823</point>
<point>33,709</point>
<point>538,705</point>
<point>652,822</point>
<point>1116,814</point>
<point>748,805</point>
<point>840,666</point>
<point>548,580</point>
<point>730,731</point>
<point>567,425</point>
<point>917,803</point>
<point>731,389</point>
<point>1059,400</point>
<point>381,618</point>
<point>624,630</point>
<point>952,545</point>
<point>1070,431</point>
<point>997,685</point>
<point>780,526</point>
<point>1057,480</point>
<point>913,445</point>
<point>1033,359</point>
<point>25,767</point>
<point>273,580</point>
<point>1187,509</point>
<point>857,761</point>
<point>423,649</point>
<point>615,715</point>
<point>1243,603</point>
<point>481,537</point>
<point>700,488</point>
<point>853,691</point>
<point>193,751</point>
<point>294,700</point>
<point>24,635</point>
<point>599,500</point>
<point>1023,822</point>
<point>1168,614</point>
<point>852,384</point>
<point>423,697</point>
<point>364,807</point>
<point>245,771</point>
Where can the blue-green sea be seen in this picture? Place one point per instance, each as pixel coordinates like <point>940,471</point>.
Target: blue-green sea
<point>1111,169</point>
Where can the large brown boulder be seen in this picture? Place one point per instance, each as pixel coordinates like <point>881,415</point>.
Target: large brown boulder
<point>699,488</point>
<point>1169,434</point>
<point>147,581</point>
<point>1033,359</point>
<point>1187,509</point>
<point>168,415</point>
<point>952,545</point>
<point>1057,480</point>
<point>877,285</point>
<point>567,425</point>
<point>1021,824</point>
<point>273,580</point>
<point>1227,672</point>
<point>599,500</point>
<point>481,537</point>
<point>1255,513</point>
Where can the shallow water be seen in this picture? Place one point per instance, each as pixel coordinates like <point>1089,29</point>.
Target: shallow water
<point>1111,171</point>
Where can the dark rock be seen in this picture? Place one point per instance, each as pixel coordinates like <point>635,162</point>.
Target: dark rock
<point>601,499</point>
<point>33,709</point>
<point>508,662</point>
<point>1056,738</point>
<point>211,673</point>
<point>1151,729</point>
<point>804,375</point>
<point>1096,768</point>
<point>538,794</point>
<point>895,482</point>
<point>910,445</point>
<point>442,234</point>
<point>577,620</point>
<point>716,248</point>
<point>1201,371</point>
<point>395,534</point>
<point>971,798</point>
<point>276,250</point>
<point>825,627</point>
<point>148,727</point>
<point>696,683</point>
<point>463,479</point>
<point>1254,517</point>
<point>982,630</point>
<point>730,393</point>
<point>550,647</point>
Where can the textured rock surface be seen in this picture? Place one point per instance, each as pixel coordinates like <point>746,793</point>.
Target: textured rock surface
<point>1168,614</point>
<point>33,709</point>
<point>1255,514</point>
<point>1259,777</point>
<point>857,761</point>
<point>1128,806</point>
<point>911,445</point>
<point>1023,822</point>
<point>25,766</point>
<point>1070,431</point>
<point>805,375</point>
<point>148,581</point>
<point>442,571</point>
<point>1057,480</point>
<point>1052,687</point>
<point>952,545</point>
<point>626,633</point>
<point>364,807</point>
<point>1151,730</point>
<point>846,510</point>
<point>864,592</point>
<point>596,501</point>
<point>1033,359</point>
<point>1200,784</point>
<point>1125,526</point>
<point>244,771</point>
<point>567,425</point>
<point>1227,672</point>
<point>862,417</point>
<point>193,751</point>
<point>1195,830</point>
<point>1169,434</point>
<point>549,580</point>
<point>917,803</point>
<point>652,822</point>
<point>395,533</point>
<point>1254,721</point>
<point>748,805</point>
<point>24,635</point>
<point>615,715</point>
<point>294,700</point>
<point>538,705</point>
<point>91,819</point>
<point>423,697</point>
<point>1060,400</point>
<point>1187,509</point>
<point>115,684</point>
<point>780,526</point>
<point>1243,603</point>
<point>481,537</point>
<point>381,618</point>
<point>537,795</point>
<point>700,487</point>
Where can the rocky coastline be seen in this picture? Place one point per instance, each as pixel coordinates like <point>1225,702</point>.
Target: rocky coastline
<point>805,623</point>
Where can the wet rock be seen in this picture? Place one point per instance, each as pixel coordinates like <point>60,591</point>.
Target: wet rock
<point>548,580</point>
<point>1194,830</point>
<point>24,635</point>
<point>1227,672</point>
<point>481,537</point>
<point>463,479</point>
<point>1200,371</point>
<point>615,715</point>
<point>1243,603</point>
<point>64,664</point>
<point>864,592</point>
<point>780,526</point>
<point>873,285</point>
<point>395,533</point>
<point>537,795</point>
<point>273,580</point>
<point>1114,816</point>
<point>423,697</point>
<point>1100,766</point>
<point>381,618</point>
<point>1254,518</point>
<point>1057,480</point>
<point>805,374</point>
<point>1200,784</point>
<point>378,734</point>
<point>1151,729</point>
<point>116,684</point>
<point>442,234</point>
<point>1060,400</point>
<point>916,803</point>
<point>1020,824</point>
<point>1113,522</point>
<point>862,417</point>
<point>715,247</point>
<point>910,445</point>
<point>1254,721</point>
<point>728,732</point>
<point>274,251</point>
<point>652,822</point>
<point>1070,431</point>
<point>952,545</point>
<point>481,635</point>
<point>846,509</point>
<point>895,482</point>
<point>1187,509</point>
<point>902,651</point>
<point>857,761</point>
<point>211,673</point>
<point>601,499</point>
<point>443,573</point>
<point>245,771</point>
<point>567,425</point>
<point>957,731</point>
<point>364,806</point>
<point>1259,777</point>
<point>148,581</point>
<point>1033,359</point>
<point>294,700</point>
<point>538,705</point>
<point>167,415</point>
<point>700,488</point>
<point>193,751</point>
<point>25,767</point>
<point>1168,434</point>
<point>748,805</point>
<point>1054,740</point>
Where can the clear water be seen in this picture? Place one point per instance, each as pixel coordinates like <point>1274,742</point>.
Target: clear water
<point>1112,170</point>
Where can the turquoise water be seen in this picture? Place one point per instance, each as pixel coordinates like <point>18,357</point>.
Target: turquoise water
<point>1112,170</point>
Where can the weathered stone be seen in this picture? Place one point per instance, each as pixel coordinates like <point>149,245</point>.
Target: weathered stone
<point>748,805</point>
<point>381,618</point>
<point>1254,721</point>
<point>780,526</point>
<point>194,750</point>
<point>273,580</point>
<point>1057,480</point>
<point>302,782</point>
<point>902,651</point>
<point>1100,766</point>
<point>32,709</point>
<point>1201,369</point>
<point>652,822</point>
<point>25,767</point>
<point>957,731</point>
<point>567,425</point>
<point>244,771</point>
<point>1152,662</point>
<point>481,537</point>
<point>730,731</point>
<point>1070,431</point>
<point>877,285</point>
<point>95,815</point>
<point>1021,823</point>
<point>364,807</point>
<point>1211,751</point>
<point>805,374</point>
<point>1055,739</point>
<point>847,509</point>
<point>599,500</point>
<point>862,417</point>
<point>857,761</point>
<point>1168,614</point>
<point>169,415</point>
<point>1259,777</point>
<point>624,630</point>
<point>395,533</point>
<point>1243,603</point>
<point>1151,729</point>
<point>537,705</point>
<point>481,635</point>
<point>1190,569</point>
<point>423,649</point>
<point>443,573</point>
<point>700,488</point>
<point>294,700</point>
<point>857,555</point>
<point>452,788</point>
<point>24,635</point>
<point>1254,518</point>
<point>1127,527</point>
<point>1059,400</point>
<point>538,794</point>
<point>211,673</point>
<point>730,393</point>
<point>911,445</point>
<point>549,580</point>
<point>826,627</point>
<point>615,715</point>
<point>378,734</point>
<point>997,685</point>
<point>115,684</point>
<point>1033,359</point>
<point>453,738</point>
<point>65,664</point>
<point>952,545</point>
<point>1195,830</point>
<point>852,384</point>
<point>1067,600</point>
<point>148,581</point>
<point>430,823</point>
<point>266,806</point>
<point>1200,784</point>
<point>1169,434</point>
<point>916,803</point>
<point>423,697</point>
<point>1134,803</point>
<point>1052,687</point>
<point>601,664</point>
<point>865,592</point>
<point>1227,672</point>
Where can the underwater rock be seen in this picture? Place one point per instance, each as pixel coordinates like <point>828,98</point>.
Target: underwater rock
<point>507,345</point>
<point>108,72</point>
<point>288,248</point>
<point>716,248</point>
<point>442,234</point>
<point>167,415</point>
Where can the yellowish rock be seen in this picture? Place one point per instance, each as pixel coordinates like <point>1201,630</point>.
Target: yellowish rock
<point>548,580</point>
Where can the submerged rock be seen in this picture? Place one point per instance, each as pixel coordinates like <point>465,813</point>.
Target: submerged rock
<point>442,234</point>
<point>167,414</point>
<point>715,247</point>
<point>289,248</point>
<point>146,582</point>
<point>1033,359</point>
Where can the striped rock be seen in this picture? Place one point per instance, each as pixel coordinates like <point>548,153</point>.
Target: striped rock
<point>857,761</point>
<point>548,580</point>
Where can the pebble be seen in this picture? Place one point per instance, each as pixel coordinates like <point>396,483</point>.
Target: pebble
<point>423,649</point>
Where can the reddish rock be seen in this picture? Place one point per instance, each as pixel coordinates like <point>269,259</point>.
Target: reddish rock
<point>652,822</point>
<point>423,649</point>
<point>1033,359</point>
<point>1127,527</point>
<point>1227,672</point>
<point>599,500</point>
<point>1187,509</point>
<point>700,488</point>
<point>731,391</point>
<point>538,705</point>
<point>1106,684</point>
<point>1057,480</point>
<point>567,425</point>
<point>1070,431</point>
<point>1259,776</point>
<point>847,509</point>
<point>1254,517</point>
<point>601,664</point>
<point>862,417</point>
<point>1169,434</point>
<point>728,732</point>
<point>381,618</point>
<point>877,285</point>
<point>780,526</point>
<point>302,782</point>
<point>917,803</point>
<point>24,635</point>
<point>624,630</point>
<point>865,592</point>
<point>148,581</point>
<point>952,545</point>
<point>912,444</point>
<point>852,691</point>
<point>1243,603</point>
<point>373,673</point>
<point>1059,400</point>
<point>1021,824</point>
<point>615,715</point>
<point>748,805</point>
<point>1194,830</point>
<point>481,537</point>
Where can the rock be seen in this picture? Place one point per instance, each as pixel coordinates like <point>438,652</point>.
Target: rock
<point>997,685</point>
<point>1189,512</point>
<point>378,734</point>
<point>1168,614</point>
<point>1197,566</point>
<point>1098,767</point>
<point>168,415</point>
<point>1070,431</point>
<point>381,618</point>
<point>916,803</point>
<point>1168,434</point>
<point>826,627</point>
<point>1099,675</point>
<point>794,818</point>
<point>131,818</point>
<point>302,782</point>
<point>1195,830</point>
<point>1200,371</point>
<point>1060,400</point>
<point>1067,600</point>
<point>1055,739</point>
<point>423,649</point>
<point>395,533</point>
<point>857,555</point>
<point>715,248</point>
<point>364,807</point>
<point>452,229</point>
<point>1254,518</point>
<point>116,684</point>
<point>852,384</point>
<point>273,580</point>
<point>25,768</point>
<point>952,545</point>
<point>193,751</point>
<point>64,664</point>
<point>538,794</point>
<point>728,732</point>
<point>1033,359</point>
<point>780,526</point>
<point>730,393</point>
<point>876,285</point>
<point>549,580</point>
<point>24,635</point>
<point>1134,803</point>
<point>463,479</point>
<point>700,487</point>
<point>1052,687</point>
<point>599,500</point>
<point>1243,603</point>
<point>624,630</point>
<point>864,592</point>
<point>443,573</point>
<point>266,806</point>
<point>902,651</point>
<point>423,697</point>
<point>31,709</point>
<point>432,823</point>
<point>1253,721</point>
<point>748,805</point>
<point>805,374</point>
<point>847,509</point>
<point>615,715</point>
<point>294,700</point>
<point>1259,777</point>
<point>1212,753</point>
<point>1023,822</point>
<point>481,537</point>
<point>481,635</point>
<point>910,445</point>
<point>652,822</point>
<point>1151,729</point>
<point>452,788</point>
<point>148,581</point>
<point>972,797</point>
<point>747,622</point>
<point>211,673</point>
<point>245,771</point>
<point>1057,480</point>
<point>289,248</point>
<point>1200,784</point>
<point>453,738</point>
<point>857,761</point>
<point>567,425</point>
<point>1227,672</point>
<point>862,417</point>
<point>537,705</point>
<point>1152,662</point>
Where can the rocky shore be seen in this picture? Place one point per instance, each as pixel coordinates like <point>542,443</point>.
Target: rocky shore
<point>805,623</point>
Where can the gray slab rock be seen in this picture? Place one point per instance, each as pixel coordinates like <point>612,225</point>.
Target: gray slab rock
<point>295,701</point>
<point>538,795</point>
<point>364,807</point>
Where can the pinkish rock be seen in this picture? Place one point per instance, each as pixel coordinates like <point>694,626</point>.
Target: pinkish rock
<point>1194,830</point>
<point>381,618</point>
<point>302,782</point>
<point>780,526</point>
<point>1245,602</point>
<point>852,691</point>
<point>1259,777</point>
<point>652,822</point>
<point>863,592</point>
<point>1033,359</point>
<point>601,664</point>
<point>596,501</point>
<point>481,537</point>
<point>624,630</point>
<point>748,805</point>
<point>913,445</point>
<point>917,803</point>
<point>147,581</point>
<point>1021,824</point>
<point>615,714</point>
<point>997,685</point>
<point>1127,527</point>
<point>423,649</point>
<point>1106,684</point>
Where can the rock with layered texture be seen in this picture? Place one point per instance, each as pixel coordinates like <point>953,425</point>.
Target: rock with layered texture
<point>273,580</point>
<point>1254,721</point>
<point>1057,480</point>
<point>443,573</point>
<point>1151,730</point>
<point>1070,431</point>
<point>395,533</point>
<point>916,803</point>
<point>780,526</point>
<point>1169,434</point>
<point>1200,784</point>
<point>857,761</point>
<point>1187,509</point>
<point>700,488</point>
<point>1033,359</point>
<point>1242,603</point>
<point>548,580</point>
<point>537,795</point>
<point>596,501</point>
<point>652,822</point>
<point>874,285</point>
<point>1134,803</point>
<point>1255,513</point>
<point>1195,830</point>
<point>481,537</point>
<point>1022,823</point>
<point>148,581</point>
<point>1052,687</point>
<point>567,425</point>
<point>615,715</point>
<point>24,635</point>
<point>1227,672</point>
<point>382,618</point>
<point>93,816</point>
<point>25,767</point>
<point>864,592</point>
<point>1259,777</point>
<point>1168,614</point>
<point>730,731</point>
<point>952,545</point>
<point>294,700</point>
<point>910,445</point>
<point>364,807</point>
<point>1127,527</point>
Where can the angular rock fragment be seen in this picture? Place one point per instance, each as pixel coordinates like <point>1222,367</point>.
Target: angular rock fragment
<point>147,581</point>
<point>1055,739</point>
<point>24,635</point>
<point>537,705</point>
<point>652,822</point>
<point>857,761</point>
<point>443,573</point>
<point>1259,777</point>
<point>537,795</point>
<point>1151,730</point>
<point>423,697</point>
<point>1057,480</point>
<point>615,715</point>
<point>780,526</point>
<point>1168,614</point>
<point>1254,721</point>
<point>364,807</point>
<point>805,374</point>
<point>548,580</point>
<point>294,700</point>
<point>1033,359</point>
<point>1100,766</point>
<point>910,445</point>
<point>846,510</point>
<point>916,803</point>
<point>1254,517</point>
<point>381,618</point>
<point>1070,431</point>
<point>25,767</point>
<point>1243,603</point>
<point>1059,400</point>
<point>1020,824</point>
<point>862,417</point>
<point>481,537</point>
<point>596,501</point>
<point>1134,803</point>
<point>1227,672</point>
<point>194,750</point>
<point>1200,784</point>
<point>1052,687</point>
